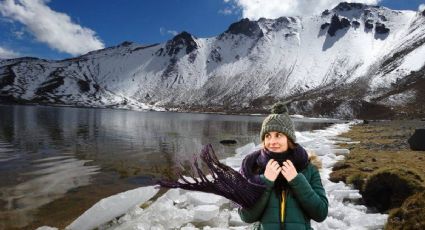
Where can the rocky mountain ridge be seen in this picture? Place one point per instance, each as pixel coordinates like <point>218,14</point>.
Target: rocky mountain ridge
<point>353,61</point>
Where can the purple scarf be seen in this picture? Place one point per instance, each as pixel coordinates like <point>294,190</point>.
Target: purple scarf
<point>255,163</point>
<point>226,181</point>
<point>243,188</point>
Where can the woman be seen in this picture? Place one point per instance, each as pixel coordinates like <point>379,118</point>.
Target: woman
<point>294,192</point>
<point>277,186</point>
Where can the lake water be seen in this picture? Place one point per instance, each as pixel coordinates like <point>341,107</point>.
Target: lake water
<point>56,162</point>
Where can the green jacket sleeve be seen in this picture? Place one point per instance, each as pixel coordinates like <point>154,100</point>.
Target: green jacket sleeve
<point>254,213</point>
<point>311,196</point>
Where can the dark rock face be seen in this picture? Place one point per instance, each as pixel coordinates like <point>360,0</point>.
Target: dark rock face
<point>423,13</point>
<point>245,27</point>
<point>184,39</point>
<point>126,43</point>
<point>417,140</point>
<point>215,55</point>
<point>281,21</point>
<point>84,85</point>
<point>7,78</point>
<point>50,85</point>
<point>383,18</point>
<point>381,29</point>
<point>326,12</point>
<point>324,25</point>
<point>345,6</point>
<point>337,24</point>
<point>369,24</point>
<point>355,24</point>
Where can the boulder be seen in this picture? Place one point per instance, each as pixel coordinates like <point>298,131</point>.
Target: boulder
<point>228,142</point>
<point>417,140</point>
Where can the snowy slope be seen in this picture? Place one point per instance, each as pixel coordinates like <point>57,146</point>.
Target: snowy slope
<point>344,62</point>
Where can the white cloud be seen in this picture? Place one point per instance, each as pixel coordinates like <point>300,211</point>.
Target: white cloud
<point>6,53</point>
<point>421,7</point>
<point>255,9</point>
<point>172,32</point>
<point>53,28</point>
<point>164,31</point>
<point>19,34</point>
<point>225,11</point>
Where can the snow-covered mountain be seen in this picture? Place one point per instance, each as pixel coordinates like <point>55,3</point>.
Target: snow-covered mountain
<point>351,61</point>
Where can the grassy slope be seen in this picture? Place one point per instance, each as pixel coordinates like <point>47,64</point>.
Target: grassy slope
<point>383,147</point>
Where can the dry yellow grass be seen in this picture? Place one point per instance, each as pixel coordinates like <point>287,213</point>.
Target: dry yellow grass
<point>383,152</point>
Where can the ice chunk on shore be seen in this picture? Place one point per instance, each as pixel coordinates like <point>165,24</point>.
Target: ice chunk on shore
<point>340,151</point>
<point>107,209</point>
<point>205,212</point>
<point>46,228</point>
<point>200,198</point>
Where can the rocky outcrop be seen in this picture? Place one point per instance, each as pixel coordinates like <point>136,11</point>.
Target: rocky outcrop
<point>381,29</point>
<point>345,6</point>
<point>368,24</point>
<point>326,13</point>
<point>324,25</point>
<point>355,24</point>
<point>337,24</point>
<point>417,140</point>
<point>179,42</point>
<point>245,27</point>
<point>7,77</point>
<point>83,85</point>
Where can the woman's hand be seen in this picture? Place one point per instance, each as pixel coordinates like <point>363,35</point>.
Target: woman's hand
<point>288,170</point>
<point>272,170</point>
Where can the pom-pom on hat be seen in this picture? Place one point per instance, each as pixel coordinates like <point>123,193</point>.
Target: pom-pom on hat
<point>278,121</point>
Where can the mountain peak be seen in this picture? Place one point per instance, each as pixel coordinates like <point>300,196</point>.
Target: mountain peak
<point>245,27</point>
<point>344,7</point>
<point>126,43</point>
<point>347,6</point>
<point>181,40</point>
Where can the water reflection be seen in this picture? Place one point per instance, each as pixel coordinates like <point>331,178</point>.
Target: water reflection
<point>45,152</point>
<point>52,178</point>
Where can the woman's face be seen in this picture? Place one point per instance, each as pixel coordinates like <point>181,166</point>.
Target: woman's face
<point>276,142</point>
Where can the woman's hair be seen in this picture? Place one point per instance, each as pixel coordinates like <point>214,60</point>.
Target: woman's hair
<point>291,144</point>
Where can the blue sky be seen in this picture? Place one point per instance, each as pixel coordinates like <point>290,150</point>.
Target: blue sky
<point>58,29</point>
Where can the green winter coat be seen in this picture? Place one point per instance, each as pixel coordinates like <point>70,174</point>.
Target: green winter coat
<point>305,200</point>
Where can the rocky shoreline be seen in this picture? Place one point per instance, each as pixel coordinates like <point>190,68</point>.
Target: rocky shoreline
<point>389,175</point>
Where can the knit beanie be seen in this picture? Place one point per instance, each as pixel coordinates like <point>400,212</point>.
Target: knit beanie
<point>278,121</point>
